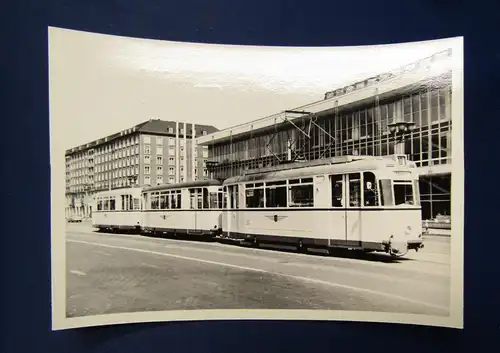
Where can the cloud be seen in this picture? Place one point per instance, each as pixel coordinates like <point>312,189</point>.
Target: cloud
<point>280,69</point>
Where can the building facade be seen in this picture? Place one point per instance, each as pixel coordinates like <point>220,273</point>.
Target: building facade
<point>354,120</point>
<point>151,153</point>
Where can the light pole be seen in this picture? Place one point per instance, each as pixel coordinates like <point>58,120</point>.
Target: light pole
<point>87,210</point>
<point>132,180</point>
<point>400,130</point>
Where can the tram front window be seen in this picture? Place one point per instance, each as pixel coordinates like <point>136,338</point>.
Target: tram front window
<point>386,192</point>
<point>403,193</point>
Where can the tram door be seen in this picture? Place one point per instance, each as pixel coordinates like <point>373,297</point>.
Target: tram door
<point>338,234</point>
<point>354,210</point>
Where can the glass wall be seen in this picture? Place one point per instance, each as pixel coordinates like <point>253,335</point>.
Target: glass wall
<point>357,132</point>
<point>360,131</point>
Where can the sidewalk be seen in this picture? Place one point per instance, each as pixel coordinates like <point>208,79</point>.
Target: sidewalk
<point>437,232</point>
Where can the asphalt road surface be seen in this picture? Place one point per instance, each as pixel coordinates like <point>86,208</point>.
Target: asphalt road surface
<point>115,273</point>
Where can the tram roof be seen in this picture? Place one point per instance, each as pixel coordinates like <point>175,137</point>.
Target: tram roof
<point>119,191</point>
<point>435,70</point>
<point>187,184</point>
<point>345,164</point>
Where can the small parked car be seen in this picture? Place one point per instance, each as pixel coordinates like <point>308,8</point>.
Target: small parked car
<point>74,219</point>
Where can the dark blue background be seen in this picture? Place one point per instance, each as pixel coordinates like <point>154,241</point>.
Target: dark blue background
<point>26,174</point>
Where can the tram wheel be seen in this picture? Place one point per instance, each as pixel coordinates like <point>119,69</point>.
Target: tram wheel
<point>255,242</point>
<point>301,247</point>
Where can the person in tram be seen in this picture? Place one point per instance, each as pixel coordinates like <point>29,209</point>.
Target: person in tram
<point>370,196</point>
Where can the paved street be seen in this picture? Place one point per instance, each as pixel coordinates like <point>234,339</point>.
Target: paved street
<point>113,273</point>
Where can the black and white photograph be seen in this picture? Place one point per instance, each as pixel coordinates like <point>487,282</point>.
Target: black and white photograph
<point>198,181</point>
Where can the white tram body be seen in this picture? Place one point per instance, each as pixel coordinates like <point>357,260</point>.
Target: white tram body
<point>193,208</point>
<point>118,209</point>
<point>363,203</point>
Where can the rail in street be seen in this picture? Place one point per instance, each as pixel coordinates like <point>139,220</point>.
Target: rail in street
<point>116,273</point>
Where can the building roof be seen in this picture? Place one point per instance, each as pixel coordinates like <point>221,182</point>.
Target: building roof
<point>403,80</point>
<point>151,126</point>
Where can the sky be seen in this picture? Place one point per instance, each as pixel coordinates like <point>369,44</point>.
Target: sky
<point>102,84</point>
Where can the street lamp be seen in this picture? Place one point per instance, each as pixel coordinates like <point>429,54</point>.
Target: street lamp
<point>400,130</point>
<point>132,179</point>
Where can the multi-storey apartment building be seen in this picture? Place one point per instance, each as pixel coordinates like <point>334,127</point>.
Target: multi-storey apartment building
<point>151,153</point>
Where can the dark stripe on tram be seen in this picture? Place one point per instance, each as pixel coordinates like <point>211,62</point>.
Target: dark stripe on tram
<point>270,209</point>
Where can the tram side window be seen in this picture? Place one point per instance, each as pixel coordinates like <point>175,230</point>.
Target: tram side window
<point>276,194</point>
<point>230,196</point>
<point>236,196</point>
<point>403,193</point>
<point>106,205</point>
<point>354,190</point>
<point>370,189</point>
<point>163,201</point>
<point>254,198</point>
<point>214,200</point>
<point>192,199</point>
<point>178,199</point>
<point>173,200</point>
<point>199,197</point>
<point>99,205</point>
<point>137,205</point>
<point>301,195</point>
<point>206,200</point>
<point>131,202</point>
<point>416,187</point>
<point>155,201</point>
<point>112,204</point>
<point>337,191</point>
<point>386,192</point>
<point>222,199</point>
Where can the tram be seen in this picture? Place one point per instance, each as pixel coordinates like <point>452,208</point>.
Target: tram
<point>189,208</point>
<point>118,210</point>
<point>356,202</point>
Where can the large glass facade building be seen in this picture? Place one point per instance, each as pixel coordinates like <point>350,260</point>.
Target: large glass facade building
<point>354,121</point>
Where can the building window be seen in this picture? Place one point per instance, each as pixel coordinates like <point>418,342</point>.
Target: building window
<point>205,153</point>
<point>159,160</point>
<point>147,159</point>
<point>182,131</point>
<point>147,139</point>
<point>171,171</point>
<point>171,130</point>
<point>147,180</point>
<point>159,150</point>
<point>204,132</point>
<point>147,149</point>
<point>159,140</point>
<point>159,169</point>
<point>170,179</point>
<point>159,180</point>
<point>147,169</point>
<point>171,160</point>
<point>171,151</point>
<point>171,142</point>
